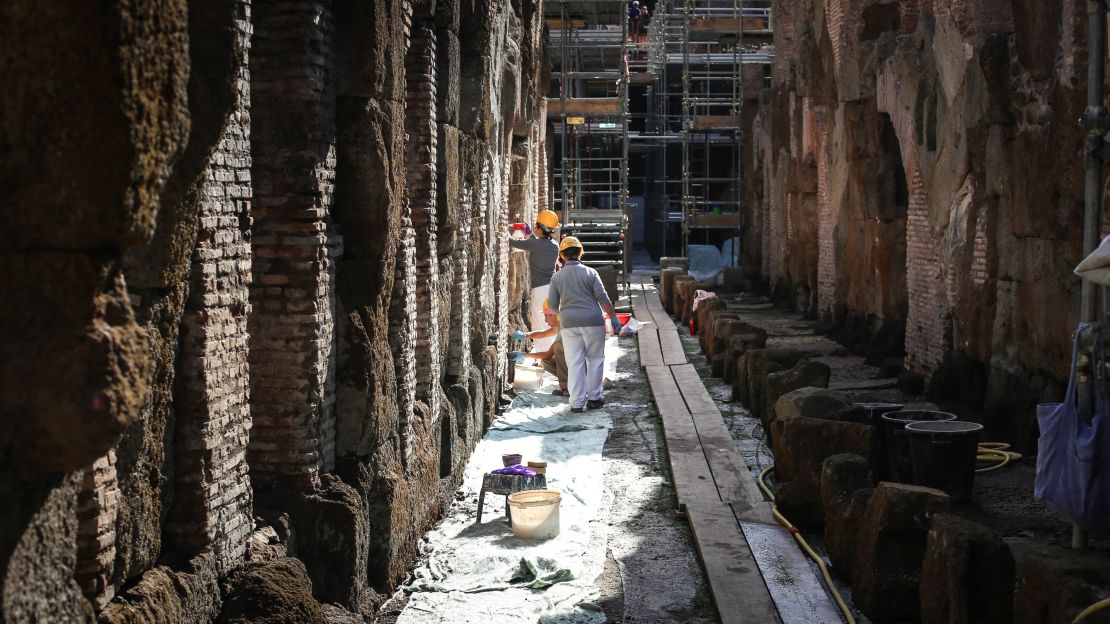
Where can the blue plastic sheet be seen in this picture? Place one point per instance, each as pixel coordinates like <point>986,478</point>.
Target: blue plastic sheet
<point>1073,471</point>
<point>705,262</point>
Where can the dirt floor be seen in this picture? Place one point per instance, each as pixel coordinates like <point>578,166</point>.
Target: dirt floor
<point>650,571</point>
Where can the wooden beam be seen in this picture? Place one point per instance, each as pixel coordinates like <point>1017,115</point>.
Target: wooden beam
<point>727,25</point>
<point>671,346</point>
<point>584,106</point>
<point>693,480</point>
<point>650,352</point>
<point>733,573</point>
<point>717,122</point>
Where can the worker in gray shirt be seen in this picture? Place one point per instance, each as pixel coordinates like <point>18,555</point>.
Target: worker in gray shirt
<point>543,251</point>
<point>579,296</point>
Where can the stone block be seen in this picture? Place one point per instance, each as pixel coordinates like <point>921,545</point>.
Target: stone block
<point>891,544</point>
<point>801,447</point>
<point>751,376</point>
<point>726,327</point>
<point>845,491</point>
<point>680,262</point>
<point>737,346</point>
<point>1054,584</point>
<point>273,592</point>
<point>803,374</point>
<point>968,574</point>
<point>705,317</point>
<point>189,596</point>
<point>666,284</point>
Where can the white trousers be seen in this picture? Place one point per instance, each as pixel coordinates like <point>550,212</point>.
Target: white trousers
<point>538,322</point>
<point>584,348</point>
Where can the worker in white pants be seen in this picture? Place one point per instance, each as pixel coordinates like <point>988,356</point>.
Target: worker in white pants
<point>579,296</point>
<point>543,252</point>
<point>536,318</point>
<point>584,350</point>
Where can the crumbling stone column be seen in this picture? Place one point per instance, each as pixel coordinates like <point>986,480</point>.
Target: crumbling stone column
<point>292,342</point>
<point>212,501</point>
<point>97,510</point>
<point>420,157</point>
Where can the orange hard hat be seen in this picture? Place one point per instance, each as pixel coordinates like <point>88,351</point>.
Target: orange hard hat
<point>568,242</point>
<point>548,219</point>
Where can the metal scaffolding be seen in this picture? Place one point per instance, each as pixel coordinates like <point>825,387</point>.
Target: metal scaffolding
<point>699,52</point>
<point>588,106</point>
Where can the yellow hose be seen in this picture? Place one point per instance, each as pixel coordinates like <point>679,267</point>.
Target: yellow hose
<point>1091,610</point>
<point>805,546</point>
<point>996,454</point>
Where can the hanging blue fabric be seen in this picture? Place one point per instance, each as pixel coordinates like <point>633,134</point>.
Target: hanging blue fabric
<point>1073,455</point>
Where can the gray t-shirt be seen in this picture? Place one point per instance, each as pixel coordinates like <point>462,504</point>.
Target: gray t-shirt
<point>542,254</point>
<point>577,293</point>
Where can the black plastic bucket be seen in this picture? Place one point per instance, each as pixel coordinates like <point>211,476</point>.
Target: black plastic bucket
<point>898,443</point>
<point>943,455</point>
<point>880,465</point>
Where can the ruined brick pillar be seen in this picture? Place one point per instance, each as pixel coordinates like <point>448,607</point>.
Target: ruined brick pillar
<point>97,510</point>
<point>403,308</point>
<point>458,351</point>
<point>295,242</point>
<point>212,500</point>
<point>420,158</point>
<point>927,325</point>
<point>826,223</point>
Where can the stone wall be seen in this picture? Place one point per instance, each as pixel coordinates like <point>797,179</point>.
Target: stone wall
<point>917,184</point>
<point>257,293</point>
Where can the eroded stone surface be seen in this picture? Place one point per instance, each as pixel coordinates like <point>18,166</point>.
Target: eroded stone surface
<point>261,274</point>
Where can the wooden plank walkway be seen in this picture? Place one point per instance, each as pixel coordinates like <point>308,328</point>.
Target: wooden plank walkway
<point>716,489</point>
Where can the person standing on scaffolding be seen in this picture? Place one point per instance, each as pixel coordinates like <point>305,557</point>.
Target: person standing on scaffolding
<point>543,252</point>
<point>634,20</point>
<point>580,298</point>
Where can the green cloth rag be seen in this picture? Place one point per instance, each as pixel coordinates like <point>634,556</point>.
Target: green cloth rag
<point>528,575</point>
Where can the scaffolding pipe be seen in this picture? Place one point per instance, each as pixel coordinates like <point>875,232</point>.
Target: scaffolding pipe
<point>1096,124</point>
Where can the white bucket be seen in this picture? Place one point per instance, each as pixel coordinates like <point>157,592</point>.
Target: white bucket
<point>535,513</point>
<point>527,378</point>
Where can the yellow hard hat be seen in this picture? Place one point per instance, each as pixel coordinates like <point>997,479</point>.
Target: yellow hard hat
<point>548,219</point>
<point>568,242</point>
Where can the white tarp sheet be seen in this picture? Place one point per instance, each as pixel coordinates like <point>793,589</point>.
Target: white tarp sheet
<point>462,557</point>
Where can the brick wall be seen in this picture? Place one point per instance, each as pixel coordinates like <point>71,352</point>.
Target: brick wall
<point>826,228</point>
<point>97,510</point>
<point>927,327</point>
<point>212,500</point>
<point>295,242</point>
<point>458,352</point>
<point>420,157</point>
<point>252,292</point>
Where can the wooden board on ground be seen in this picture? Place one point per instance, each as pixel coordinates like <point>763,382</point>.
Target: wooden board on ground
<point>693,389</point>
<point>796,589</point>
<point>741,595</point>
<point>693,479</point>
<point>640,310</point>
<point>650,352</point>
<point>655,307</point>
<point>734,480</point>
<point>671,346</point>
